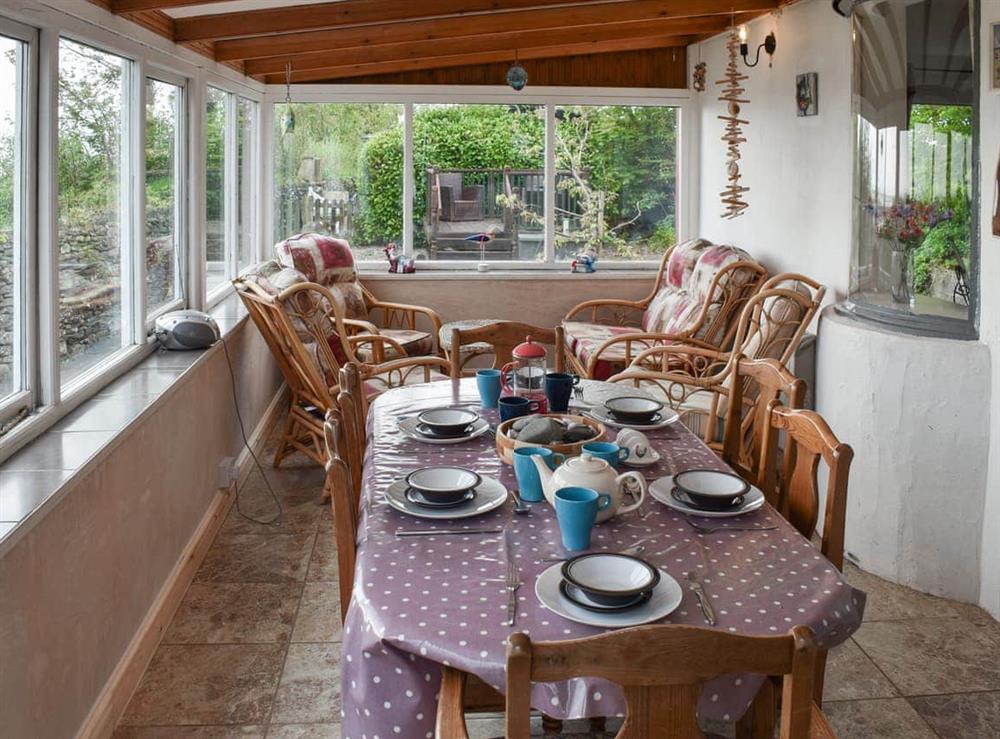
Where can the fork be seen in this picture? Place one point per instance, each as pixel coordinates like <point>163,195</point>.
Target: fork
<point>696,585</point>
<point>711,530</point>
<point>512,584</point>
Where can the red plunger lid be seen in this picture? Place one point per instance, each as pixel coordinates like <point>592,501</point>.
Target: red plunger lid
<point>529,350</point>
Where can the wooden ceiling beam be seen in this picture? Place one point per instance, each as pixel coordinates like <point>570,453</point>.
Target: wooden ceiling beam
<point>133,6</point>
<point>447,28</point>
<point>501,42</point>
<point>346,13</point>
<point>344,73</point>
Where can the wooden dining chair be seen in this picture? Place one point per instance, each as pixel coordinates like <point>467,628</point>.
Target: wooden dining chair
<point>339,487</point>
<point>753,385</point>
<point>661,670</point>
<point>353,409</point>
<point>503,336</point>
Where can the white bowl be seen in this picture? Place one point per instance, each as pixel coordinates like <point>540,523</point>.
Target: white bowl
<point>633,408</point>
<point>711,483</point>
<point>610,579</point>
<point>437,480</point>
<point>448,421</point>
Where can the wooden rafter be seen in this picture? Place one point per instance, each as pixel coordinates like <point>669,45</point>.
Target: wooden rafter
<point>459,60</point>
<point>447,28</point>
<point>523,41</point>
<point>133,6</point>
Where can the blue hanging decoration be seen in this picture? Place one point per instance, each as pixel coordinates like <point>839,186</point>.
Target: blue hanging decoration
<point>517,77</point>
<point>288,120</point>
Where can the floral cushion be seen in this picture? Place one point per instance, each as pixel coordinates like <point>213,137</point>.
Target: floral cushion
<point>670,301</point>
<point>329,262</point>
<point>414,343</point>
<point>583,339</point>
<point>271,277</point>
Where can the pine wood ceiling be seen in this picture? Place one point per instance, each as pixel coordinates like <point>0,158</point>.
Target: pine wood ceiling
<point>337,41</point>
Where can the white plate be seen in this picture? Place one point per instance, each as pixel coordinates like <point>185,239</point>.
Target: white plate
<point>660,490</point>
<point>409,427</point>
<point>651,458</point>
<point>489,495</point>
<point>667,595</point>
<point>601,414</point>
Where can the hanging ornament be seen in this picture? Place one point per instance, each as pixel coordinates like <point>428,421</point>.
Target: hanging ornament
<point>698,77</point>
<point>288,120</point>
<point>517,77</point>
<point>733,95</point>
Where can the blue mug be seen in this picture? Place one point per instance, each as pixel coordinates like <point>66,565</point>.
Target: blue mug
<point>527,473</point>
<point>514,405</point>
<point>606,450</point>
<point>488,382</point>
<point>576,511</point>
<point>558,389</point>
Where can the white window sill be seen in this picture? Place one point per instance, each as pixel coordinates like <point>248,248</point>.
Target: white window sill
<point>368,274</point>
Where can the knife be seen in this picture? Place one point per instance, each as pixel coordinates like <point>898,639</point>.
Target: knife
<point>699,591</point>
<point>445,532</point>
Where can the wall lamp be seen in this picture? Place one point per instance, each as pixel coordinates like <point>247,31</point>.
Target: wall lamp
<point>769,45</point>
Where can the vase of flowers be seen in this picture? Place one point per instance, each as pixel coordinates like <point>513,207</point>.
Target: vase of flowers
<point>904,225</point>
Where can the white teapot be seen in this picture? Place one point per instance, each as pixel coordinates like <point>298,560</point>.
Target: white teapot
<point>590,472</point>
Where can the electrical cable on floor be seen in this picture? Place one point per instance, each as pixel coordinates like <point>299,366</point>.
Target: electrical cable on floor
<point>246,444</point>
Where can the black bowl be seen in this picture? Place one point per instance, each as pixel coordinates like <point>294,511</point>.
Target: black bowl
<point>578,597</point>
<point>712,489</point>
<point>448,421</point>
<point>634,409</point>
<point>610,579</point>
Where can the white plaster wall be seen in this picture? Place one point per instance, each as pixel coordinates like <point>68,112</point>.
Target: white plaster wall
<point>798,169</point>
<point>916,411</point>
<point>989,323</point>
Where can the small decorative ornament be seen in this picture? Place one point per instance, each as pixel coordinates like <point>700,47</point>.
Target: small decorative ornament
<point>807,94</point>
<point>517,76</point>
<point>698,78</point>
<point>288,120</point>
<point>733,94</point>
<point>399,262</point>
<point>585,261</point>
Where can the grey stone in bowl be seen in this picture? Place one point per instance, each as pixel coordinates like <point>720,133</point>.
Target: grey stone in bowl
<point>542,431</point>
<point>577,432</point>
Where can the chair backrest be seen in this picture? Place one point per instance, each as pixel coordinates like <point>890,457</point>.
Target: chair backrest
<point>807,438</point>
<point>774,320</point>
<point>344,506</point>
<point>661,670</point>
<point>705,289</point>
<point>504,336</point>
<point>353,411</point>
<point>753,385</point>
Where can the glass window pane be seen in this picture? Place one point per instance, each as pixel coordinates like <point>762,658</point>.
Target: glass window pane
<point>163,227</point>
<point>246,173</point>
<point>480,182</point>
<point>216,217</point>
<point>12,130</point>
<point>339,172</point>
<point>616,181</point>
<point>914,190</point>
<point>92,223</point>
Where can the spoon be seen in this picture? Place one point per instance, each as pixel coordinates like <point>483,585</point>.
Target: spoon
<point>519,505</point>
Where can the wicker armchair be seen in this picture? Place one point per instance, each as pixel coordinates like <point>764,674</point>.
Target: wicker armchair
<point>330,262</point>
<point>699,291</point>
<point>694,376</point>
<point>303,325</point>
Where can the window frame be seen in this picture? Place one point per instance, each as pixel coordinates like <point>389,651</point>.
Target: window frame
<point>24,234</point>
<point>931,325</point>
<point>548,97</point>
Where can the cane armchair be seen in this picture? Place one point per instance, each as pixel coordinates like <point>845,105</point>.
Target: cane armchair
<point>307,334</point>
<point>699,290</point>
<point>694,377</point>
<point>330,262</point>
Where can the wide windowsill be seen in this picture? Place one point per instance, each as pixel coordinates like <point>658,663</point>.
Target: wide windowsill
<point>369,273</point>
<point>36,478</point>
<point>913,324</point>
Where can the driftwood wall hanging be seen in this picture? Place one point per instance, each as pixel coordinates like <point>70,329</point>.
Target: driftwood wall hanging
<point>733,95</point>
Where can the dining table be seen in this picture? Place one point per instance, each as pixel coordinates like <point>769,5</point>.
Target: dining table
<point>420,602</point>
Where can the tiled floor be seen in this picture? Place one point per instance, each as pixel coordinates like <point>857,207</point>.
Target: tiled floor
<point>254,650</point>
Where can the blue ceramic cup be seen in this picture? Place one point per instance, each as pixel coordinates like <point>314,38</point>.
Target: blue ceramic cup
<point>576,511</point>
<point>488,382</point>
<point>558,389</point>
<point>527,473</point>
<point>606,450</point>
<point>514,405</point>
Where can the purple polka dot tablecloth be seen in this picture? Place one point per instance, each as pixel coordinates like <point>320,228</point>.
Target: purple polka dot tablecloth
<point>422,602</point>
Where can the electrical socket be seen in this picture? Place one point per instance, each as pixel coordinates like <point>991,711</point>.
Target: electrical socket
<point>228,473</point>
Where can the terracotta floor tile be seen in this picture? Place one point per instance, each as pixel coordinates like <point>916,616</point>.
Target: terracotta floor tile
<point>257,558</point>
<point>318,619</point>
<point>888,601</point>
<point>963,715</point>
<point>299,514</point>
<point>309,691</point>
<point>889,718</point>
<point>933,656</point>
<point>850,675</point>
<point>191,732</point>
<point>214,684</point>
<point>235,613</point>
<point>304,731</point>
